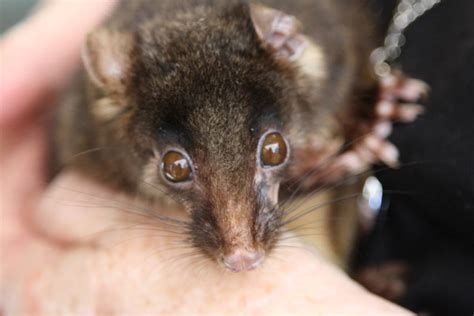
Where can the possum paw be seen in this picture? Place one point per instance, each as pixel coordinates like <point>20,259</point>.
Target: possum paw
<point>396,103</point>
<point>368,144</point>
<point>398,98</point>
<point>388,280</point>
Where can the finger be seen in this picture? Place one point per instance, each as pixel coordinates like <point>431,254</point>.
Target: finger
<point>38,55</point>
<point>76,210</point>
<point>21,158</point>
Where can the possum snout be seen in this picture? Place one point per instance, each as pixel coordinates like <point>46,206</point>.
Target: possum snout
<point>237,239</point>
<point>243,260</point>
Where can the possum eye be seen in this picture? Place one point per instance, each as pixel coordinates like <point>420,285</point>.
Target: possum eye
<point>176,167</point>
<point>274,150</point>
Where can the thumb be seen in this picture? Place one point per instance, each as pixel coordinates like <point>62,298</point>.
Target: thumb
<point>39,54</point>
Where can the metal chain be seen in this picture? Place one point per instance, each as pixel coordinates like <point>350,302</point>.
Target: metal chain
<point>405,14</point>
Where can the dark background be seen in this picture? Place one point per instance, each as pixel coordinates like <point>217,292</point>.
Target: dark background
<point>431,227</point>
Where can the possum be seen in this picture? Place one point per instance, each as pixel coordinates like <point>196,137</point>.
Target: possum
<point>217,103</point>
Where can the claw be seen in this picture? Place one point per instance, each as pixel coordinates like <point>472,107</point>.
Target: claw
<point>412,90</point>
<point>383,129</point>
<point>396,103</point>
<point>392,111</point>
<point>382,150</point>
<point>397,87</point>
<point>409,112</point>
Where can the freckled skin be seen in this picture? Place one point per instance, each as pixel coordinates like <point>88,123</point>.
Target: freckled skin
<point>197,78</point>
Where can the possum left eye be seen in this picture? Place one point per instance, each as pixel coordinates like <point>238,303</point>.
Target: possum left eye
<point>176,167</point>
<point>274,150</point>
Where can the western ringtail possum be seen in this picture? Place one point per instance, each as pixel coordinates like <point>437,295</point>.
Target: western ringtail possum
<point>216,103</point>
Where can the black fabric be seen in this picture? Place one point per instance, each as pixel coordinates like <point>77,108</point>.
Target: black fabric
<point>430,223</point>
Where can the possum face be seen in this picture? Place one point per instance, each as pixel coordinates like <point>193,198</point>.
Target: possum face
<point>221,145</point>
<point>210,97</point>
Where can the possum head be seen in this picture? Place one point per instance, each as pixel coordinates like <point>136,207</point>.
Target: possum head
<point>211,95</point>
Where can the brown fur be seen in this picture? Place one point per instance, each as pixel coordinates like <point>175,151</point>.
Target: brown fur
<point>197,77</point>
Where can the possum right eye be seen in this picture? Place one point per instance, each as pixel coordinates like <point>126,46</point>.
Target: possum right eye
<point>274,150</point>
<point>176,167</point>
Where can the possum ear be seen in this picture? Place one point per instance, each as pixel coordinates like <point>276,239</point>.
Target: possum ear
<point>278,31</point>
<point>106,57</point>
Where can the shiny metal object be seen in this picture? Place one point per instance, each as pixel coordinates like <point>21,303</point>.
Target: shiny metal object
<point>372,193</point>
<point>370,203</point>
<point>405,14</point>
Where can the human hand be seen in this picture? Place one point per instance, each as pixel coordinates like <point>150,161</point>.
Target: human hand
<point>60,255</point>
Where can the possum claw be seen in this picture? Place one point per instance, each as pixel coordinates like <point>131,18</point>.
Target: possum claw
<point>367,143</point>
<point>392,111</point>
<point>398,87</point>
<point>396,103</point>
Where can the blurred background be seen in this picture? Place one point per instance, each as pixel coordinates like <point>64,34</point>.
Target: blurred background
<point>13,10</point>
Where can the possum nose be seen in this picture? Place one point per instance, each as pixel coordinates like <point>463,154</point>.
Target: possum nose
<point>243,260</point>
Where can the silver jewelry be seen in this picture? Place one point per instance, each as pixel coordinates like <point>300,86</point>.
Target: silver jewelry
<point>370,203</point>
<point>405,14</point>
